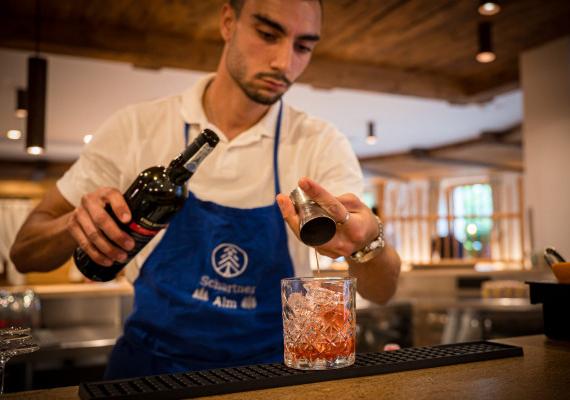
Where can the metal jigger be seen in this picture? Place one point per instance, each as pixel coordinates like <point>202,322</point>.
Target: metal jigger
<point>316,226</point>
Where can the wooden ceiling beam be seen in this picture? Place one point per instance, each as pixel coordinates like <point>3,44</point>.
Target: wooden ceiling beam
<point>384,174</point>
<point>491,137</point>
<point>159,50</point>
<point>32,170</point>
<point>451,156</point>
<point>427,155</point>
<point>112,43</point>
<point>501,138</point>
<point>330,73</point>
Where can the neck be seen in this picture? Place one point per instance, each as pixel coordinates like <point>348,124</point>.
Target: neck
<point>227,107</point>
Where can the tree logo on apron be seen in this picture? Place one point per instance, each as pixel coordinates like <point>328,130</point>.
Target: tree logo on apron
<point>228,260</point>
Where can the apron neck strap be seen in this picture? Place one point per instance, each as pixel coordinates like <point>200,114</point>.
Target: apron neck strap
<point>186,133</point>
<point>275,146</point>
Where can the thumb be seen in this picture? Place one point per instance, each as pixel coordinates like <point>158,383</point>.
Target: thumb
<point>288,212</point>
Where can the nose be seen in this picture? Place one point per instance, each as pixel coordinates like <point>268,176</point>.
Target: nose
<point>283,58</point>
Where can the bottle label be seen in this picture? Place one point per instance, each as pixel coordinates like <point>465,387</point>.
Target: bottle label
<point>142,230</point>
<point>193,163</point>
<point>142,235</point>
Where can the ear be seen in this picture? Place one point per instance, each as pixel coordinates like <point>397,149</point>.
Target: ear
<point>227,22</point>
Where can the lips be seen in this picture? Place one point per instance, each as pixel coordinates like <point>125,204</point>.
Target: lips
<point>274,84</point>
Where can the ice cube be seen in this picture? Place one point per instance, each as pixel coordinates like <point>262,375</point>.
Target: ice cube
<point>321,299</point>
<point>297,302</point>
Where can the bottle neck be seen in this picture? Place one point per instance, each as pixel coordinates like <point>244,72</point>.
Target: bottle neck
<point>183,167</point>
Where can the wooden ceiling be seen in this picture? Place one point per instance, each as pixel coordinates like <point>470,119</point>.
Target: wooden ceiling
<point>412,47</point>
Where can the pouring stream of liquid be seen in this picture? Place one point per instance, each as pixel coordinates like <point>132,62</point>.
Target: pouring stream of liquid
<point>318,266</point>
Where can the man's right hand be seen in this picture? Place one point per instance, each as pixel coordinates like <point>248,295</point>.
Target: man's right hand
<point>94,229</point>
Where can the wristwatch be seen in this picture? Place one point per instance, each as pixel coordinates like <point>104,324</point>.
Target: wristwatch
<point>372,249</point>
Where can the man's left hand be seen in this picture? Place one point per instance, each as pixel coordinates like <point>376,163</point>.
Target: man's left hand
<point>356,225</point>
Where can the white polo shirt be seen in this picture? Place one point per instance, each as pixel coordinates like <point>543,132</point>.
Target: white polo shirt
<point>238,173</point>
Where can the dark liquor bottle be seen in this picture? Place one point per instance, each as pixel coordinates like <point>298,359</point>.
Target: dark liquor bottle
<point>153,199</point>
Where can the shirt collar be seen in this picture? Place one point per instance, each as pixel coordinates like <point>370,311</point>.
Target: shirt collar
<point>193,112</point>
<point>191,108</point>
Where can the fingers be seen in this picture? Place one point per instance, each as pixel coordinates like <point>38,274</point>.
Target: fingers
<point>336,247</point>
<point>96,231</point>
<point>326,200</point>
<point>94,204</point>
<point>85,244</point>
<point>352,233</point>
<point>118,204</point>
<point>366,229</point>
<point>288,212</point>
<point>351,202</point>
<point>97,238</point>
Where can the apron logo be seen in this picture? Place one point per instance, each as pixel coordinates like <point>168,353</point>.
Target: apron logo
<point>249,303</point>
<point>228,260</point>
<point>201,294</point>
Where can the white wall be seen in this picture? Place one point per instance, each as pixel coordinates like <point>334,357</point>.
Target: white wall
<point>83,92</point>
<point>545,75</point>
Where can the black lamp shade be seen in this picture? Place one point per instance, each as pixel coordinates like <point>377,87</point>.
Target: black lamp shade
<point>37,87</point>
<point>21,103</point>
<point>371,136</point>
<point>486,53</point>
<point>485,43</point>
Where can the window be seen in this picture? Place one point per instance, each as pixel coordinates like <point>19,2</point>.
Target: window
<point>473,223</point>
<point>475,218</point>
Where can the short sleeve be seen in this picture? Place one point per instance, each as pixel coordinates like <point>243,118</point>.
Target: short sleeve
<point>102,162</point>
<point>338,169</point>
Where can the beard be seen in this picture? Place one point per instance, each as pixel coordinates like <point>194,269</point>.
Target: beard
<point>255,93</point>
<point>235,64</point>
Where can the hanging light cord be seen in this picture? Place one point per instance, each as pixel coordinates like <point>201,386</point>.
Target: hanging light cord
<point>37,28</point>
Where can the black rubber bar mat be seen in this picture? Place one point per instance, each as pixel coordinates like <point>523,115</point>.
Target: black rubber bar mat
<point>263,376</point>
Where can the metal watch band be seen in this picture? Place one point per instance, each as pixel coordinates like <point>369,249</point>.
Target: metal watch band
<point>371,249</point>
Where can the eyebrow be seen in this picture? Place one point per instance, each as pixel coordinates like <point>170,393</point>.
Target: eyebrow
<point>278,27</point>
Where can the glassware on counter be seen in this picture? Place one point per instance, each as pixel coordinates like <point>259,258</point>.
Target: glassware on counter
<point>21,309</point>
<point>319,322</point>
<point>14,342</point>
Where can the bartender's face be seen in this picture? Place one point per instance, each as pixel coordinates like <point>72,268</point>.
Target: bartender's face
<point>270,44</point>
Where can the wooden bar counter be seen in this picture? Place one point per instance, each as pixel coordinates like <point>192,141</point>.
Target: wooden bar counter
<point>542,373</point>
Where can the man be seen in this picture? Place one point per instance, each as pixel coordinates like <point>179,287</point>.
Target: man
<point>189,313</point>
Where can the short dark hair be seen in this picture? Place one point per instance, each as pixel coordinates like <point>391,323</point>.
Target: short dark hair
<point>237,5</point>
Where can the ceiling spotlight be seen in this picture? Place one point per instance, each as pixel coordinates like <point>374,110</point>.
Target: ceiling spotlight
<point>489,8</point>
<point>87,138</point>
<point>14,134</point>
<point>486,53</point>
<point>21,103</point>
<point>371,136</point>
<point>35,150</point>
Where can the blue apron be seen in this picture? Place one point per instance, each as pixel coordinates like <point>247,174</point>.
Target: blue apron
<point>208,296</point>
